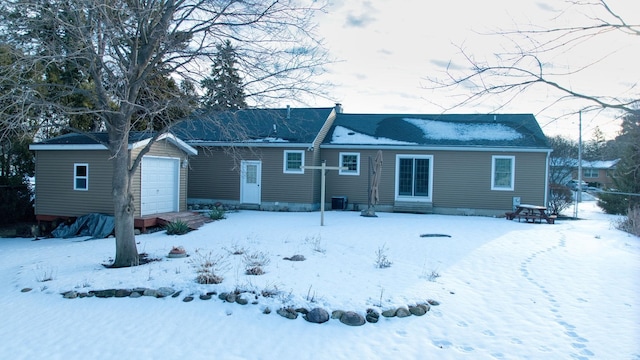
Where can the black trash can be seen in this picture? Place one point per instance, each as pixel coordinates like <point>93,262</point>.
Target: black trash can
<point>338,203</point>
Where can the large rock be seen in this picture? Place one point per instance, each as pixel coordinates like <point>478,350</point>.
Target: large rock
<point>295,258</point>
<point>372,316</point>
<point>150,292</point>
<point>122,293</point>
<point>317,315</point>
<point>288,313</point>
<point>389,313</point>
<point>403,312</point>
<point>164,292</point>
<point>242,301</point>
<point>70,295</point>
<point>104,293</point>
<point>352,318</point>
<point>417,310</point>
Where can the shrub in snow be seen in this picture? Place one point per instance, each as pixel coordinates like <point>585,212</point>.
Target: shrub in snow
<point>208,267</point>
<point>254,263</point>
<point>177,227</point>
<point>381,258</point>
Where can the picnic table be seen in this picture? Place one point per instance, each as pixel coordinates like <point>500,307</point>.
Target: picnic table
<point>531,213</point>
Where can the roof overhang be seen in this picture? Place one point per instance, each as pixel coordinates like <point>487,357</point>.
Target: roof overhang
<point>280,144</point>
<point>138,144</point>
<point>436,148</point>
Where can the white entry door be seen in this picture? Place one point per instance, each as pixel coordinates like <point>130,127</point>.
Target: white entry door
<point>250,178</point>
<point>159,185</point>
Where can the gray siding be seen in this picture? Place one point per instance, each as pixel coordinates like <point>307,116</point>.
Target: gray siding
<point>54,181</point>
<point>215,175</point>
<point>461,179</point>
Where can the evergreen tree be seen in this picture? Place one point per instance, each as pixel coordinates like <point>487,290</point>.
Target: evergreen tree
<point>595,148</point>
<point>627,175</point>
<point>161,89</point>
<point>224,90</point>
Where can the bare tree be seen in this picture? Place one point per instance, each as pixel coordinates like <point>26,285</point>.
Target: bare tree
<point>527,61</point>
<point>121,47</point>
<point>562,161</point>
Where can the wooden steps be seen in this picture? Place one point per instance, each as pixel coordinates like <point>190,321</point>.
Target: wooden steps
<point>413,207</point>
<point>193,219</point>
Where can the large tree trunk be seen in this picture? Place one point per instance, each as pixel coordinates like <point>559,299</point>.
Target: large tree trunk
<point>123,211</point>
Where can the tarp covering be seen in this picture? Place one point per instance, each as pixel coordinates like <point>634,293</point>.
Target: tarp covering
<point>98,226</point>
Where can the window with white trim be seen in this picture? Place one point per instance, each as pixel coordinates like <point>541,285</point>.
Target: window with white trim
<point>351,161</point>
<point>414,177</point>
<point>502,172</point>
<point>80,176</point>
<point>293,161</point>
<point>590,173</point>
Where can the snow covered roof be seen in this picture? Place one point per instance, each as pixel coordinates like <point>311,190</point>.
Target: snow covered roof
<point>595,164</point>
<point>254,126</point>
<point>97,141</point>
<point>486,130</point>
<point>600,164</point>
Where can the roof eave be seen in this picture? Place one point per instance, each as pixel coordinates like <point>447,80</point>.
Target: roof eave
<point>249,144</point>
<point>436,148</point>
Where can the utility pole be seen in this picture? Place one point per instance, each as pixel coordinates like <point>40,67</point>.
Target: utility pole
<point>579,188</point>
<point>324,169</point>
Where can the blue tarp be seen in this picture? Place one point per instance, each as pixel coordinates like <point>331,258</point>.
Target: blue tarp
<point>98,226</point>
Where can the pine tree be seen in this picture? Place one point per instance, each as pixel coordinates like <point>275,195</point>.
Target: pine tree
<point>224,87</point>
<point>627,175</point>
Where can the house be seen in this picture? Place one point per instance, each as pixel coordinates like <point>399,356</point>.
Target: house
<point>74,175</point>
<point>262,159</point>
<point>254,158</point>
<point>450,164</point>
<point>469,164</point>
<point>597,173</point>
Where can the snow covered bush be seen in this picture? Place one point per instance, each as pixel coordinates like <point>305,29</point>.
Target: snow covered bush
<point>208,267</point>
<point>560,198</point>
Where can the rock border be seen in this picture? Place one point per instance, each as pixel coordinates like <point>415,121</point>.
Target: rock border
<point>316,315</point>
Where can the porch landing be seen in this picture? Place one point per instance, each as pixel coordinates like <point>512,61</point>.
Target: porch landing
<point>193,219</point>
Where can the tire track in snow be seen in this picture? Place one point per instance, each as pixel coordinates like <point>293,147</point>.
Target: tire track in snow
<point>579,343</point>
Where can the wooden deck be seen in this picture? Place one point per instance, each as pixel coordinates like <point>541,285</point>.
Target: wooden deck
<point>193,219</point>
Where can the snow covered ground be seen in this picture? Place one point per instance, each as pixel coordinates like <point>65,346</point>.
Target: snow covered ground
<point>507,290</point>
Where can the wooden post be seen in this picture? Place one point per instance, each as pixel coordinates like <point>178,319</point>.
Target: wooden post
<point>324,169</point>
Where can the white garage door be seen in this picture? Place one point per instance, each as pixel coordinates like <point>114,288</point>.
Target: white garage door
<point>159,185</point>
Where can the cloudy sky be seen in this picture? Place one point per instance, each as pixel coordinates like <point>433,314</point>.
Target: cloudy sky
<point>387,51</point>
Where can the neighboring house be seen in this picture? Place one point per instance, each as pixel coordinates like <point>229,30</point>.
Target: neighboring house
<point>597,173</point>
<point>74,175</point>
<point>253,158</point>
<point>451,164</point>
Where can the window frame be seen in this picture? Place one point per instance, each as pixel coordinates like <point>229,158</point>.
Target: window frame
<point>285,168</point>
<point>77,177</point>
<point>415,198</point>
<point>512,177</point>
<point>590,173</point>
<point>341,161</point>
